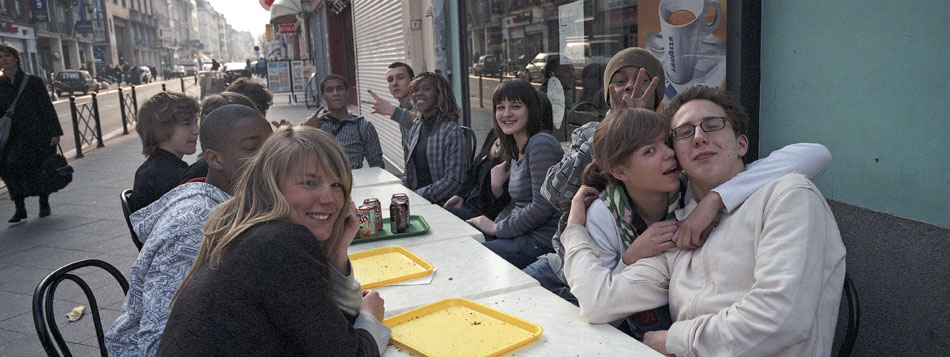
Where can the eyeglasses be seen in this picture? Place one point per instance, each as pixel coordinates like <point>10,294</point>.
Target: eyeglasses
<point>708,124</point>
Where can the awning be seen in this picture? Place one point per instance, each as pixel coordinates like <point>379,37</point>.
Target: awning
<point>285,11</point>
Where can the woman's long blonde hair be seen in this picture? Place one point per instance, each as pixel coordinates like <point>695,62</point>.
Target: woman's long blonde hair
<point>257,197</point>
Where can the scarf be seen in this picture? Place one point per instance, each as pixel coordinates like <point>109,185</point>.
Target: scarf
<point>625,215</point>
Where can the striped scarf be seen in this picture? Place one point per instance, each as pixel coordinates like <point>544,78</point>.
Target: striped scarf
<point>625,215</point>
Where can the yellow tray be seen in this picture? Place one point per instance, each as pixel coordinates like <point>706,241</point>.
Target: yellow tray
<point>460,327</point>
<point>387,265</point>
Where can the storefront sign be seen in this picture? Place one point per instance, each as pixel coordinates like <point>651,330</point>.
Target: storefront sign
<point>84,26</point>
<point>40,10</point>
<point>288,28</point>
<point>9,27</point>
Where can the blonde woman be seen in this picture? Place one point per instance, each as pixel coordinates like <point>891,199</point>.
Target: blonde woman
<point>260,284</point>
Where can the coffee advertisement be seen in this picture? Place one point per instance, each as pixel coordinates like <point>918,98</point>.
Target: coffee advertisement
<point>689,38</point>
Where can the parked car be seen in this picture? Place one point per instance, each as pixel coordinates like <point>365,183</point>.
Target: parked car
<point>190,69</point>
<point>74,81</point>
<point>235,70</point>
<point>175,72</point>
<point>139,75</point>
<point>535,69</point>
<point>486,64</point>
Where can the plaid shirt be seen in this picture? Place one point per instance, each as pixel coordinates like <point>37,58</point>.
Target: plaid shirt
<point>564,178</point>
<point>358,138</point>
<point>446,157</point>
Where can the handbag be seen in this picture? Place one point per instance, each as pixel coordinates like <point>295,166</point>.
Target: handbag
<point>56,173</point>
<point>7,120</point>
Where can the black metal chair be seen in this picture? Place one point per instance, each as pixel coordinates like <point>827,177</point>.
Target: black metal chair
<point>854,317</point>
<point>576,117</point>
<point>43,316</point>
<point>472,141</point>
<point>126,211</point>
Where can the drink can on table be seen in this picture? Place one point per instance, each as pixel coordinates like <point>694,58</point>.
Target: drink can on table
<point>367,217</point>
<point>395,216</point>
<point>404,197</point>
<point>378,208</point>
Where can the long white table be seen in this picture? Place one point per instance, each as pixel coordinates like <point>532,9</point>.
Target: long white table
<point>371,176</point>
<point>465,268</point>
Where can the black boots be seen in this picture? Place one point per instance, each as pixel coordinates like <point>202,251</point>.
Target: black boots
<point>20,214</point>
<point>44,206</point>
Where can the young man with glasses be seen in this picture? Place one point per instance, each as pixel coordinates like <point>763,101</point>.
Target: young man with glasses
<point>766,282</point>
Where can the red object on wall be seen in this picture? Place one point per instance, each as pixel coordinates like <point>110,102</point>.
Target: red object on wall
<point>266,4</point>
<point>288,28</point>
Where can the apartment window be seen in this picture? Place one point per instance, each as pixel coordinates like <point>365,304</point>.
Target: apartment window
<point>123,3</point>
<point>3,7</point>
<point>16,6</point>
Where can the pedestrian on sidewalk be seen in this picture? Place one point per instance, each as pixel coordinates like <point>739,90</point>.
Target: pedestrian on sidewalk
<point>33,136</point>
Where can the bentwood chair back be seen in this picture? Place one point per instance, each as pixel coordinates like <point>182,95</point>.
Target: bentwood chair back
<point>44,318</point>
<point>126,211</point>
<point>472,142</point>
<point>854,317</point>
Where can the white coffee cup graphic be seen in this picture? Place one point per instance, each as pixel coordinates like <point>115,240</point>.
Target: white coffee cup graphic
<point>683,27</point>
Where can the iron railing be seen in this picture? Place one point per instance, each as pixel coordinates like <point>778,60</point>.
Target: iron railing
<point>86,124</point>
<point>129,107</point>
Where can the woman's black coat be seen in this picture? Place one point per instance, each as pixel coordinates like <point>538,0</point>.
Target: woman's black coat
<point>34,124</point>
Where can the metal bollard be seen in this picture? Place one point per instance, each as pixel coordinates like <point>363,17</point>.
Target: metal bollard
<point>135,101</point>
<point>72,110</point>
<point>95,111</point>
<point>163,88</point>
<point>480,95</point>
<point>182,78</point>
<point>125,127</point>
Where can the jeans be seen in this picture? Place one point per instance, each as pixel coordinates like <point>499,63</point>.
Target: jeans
<point>519,251</point>
<point>541,271</point>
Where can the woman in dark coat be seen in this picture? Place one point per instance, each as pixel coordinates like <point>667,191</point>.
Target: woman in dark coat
<point>34,133</point>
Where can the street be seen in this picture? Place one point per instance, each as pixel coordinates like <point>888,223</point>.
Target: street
<point>110,115</point>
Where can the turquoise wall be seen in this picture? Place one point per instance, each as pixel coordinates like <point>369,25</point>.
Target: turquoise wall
<point>871,81</point>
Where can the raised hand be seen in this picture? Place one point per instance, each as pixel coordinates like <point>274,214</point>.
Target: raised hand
<point>380,106</point>
<point>317,118</point>
<point>499,177</point>
<point>694,230</point>
<point>641,96</point>
<point>582,199</point>
<point>657,239</point>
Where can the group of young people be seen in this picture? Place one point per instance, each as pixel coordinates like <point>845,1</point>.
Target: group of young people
<point>651,221</point>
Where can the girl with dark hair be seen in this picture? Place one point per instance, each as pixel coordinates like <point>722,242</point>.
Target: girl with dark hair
<point>435,146</point>
<point>34,133</point>
<point>523,229</point>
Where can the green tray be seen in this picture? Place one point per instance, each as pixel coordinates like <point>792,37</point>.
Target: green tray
<point>417,226</point>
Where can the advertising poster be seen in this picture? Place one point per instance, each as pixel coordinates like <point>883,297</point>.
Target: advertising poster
<point>571,31</point>
<point>689,38</point>
<point>278,76</point>
<point>302,69</point>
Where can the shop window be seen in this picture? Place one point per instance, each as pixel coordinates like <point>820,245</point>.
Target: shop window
<point>572,41</point>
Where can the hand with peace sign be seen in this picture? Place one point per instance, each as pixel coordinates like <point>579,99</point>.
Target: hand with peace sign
<point>380,106</point>
<point>635,95</point>
<point>317,118</point>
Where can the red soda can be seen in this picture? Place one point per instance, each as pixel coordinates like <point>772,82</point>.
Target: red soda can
<point>367,217</point>
<point>374,202</point>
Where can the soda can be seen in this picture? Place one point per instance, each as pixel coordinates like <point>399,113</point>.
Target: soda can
<point>404,197</point>
<point>367,217</point>
<point>403,215</point>
<point>395,216</point>
<point>374,202</point>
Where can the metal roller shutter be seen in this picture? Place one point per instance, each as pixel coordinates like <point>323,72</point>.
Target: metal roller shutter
<point>380,40</point>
